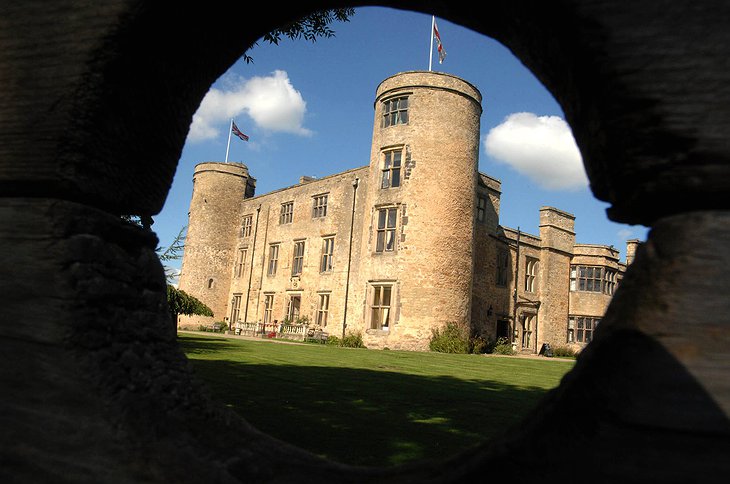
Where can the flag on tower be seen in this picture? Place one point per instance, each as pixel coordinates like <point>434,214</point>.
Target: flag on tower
<point>440,46</point>
<point>237,132</point>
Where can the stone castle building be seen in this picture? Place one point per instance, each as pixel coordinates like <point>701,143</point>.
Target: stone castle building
<point>396,248</point>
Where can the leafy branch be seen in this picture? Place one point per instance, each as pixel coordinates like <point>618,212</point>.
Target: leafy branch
<point>316,24</point>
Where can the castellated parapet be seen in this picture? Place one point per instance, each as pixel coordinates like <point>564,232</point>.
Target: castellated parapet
<point>396,248</point>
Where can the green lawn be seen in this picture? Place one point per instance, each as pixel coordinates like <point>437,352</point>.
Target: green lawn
<point>369,407</point>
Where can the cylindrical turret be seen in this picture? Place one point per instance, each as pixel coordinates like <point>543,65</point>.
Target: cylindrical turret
<point>214,221</point>
<point>423,168</point>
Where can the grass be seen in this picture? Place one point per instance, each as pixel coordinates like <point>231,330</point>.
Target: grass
<point>370,407</point>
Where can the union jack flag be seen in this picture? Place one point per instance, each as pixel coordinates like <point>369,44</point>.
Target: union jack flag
<point>237,132</point>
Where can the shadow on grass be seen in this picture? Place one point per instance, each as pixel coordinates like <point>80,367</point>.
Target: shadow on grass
<point>365,417</point>
<point>205,344</point>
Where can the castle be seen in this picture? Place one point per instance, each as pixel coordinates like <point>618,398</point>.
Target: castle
<point>394,249</point>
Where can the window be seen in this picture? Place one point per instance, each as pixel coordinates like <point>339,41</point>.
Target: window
<point>592,279</point>
<point>530,273</point>
<point>609,281</point>
<point>235,309</point>
<point>328,250</point>
<point>528,323</point>
<point>323,309</point>
<point>273,259</point>
<point>481,209</point>
<point>240,262</point>
<point>210,283</point>
<point>295,303</point>
<point>246,226</point>
<point>386,230</point>
<point>395,111</point>
<point>298,262</point>
<point>268,308</point>
<point>380,306</point>
<point>287,213</point>
<point>390,177</point>
<point>580,328</point>
<point>502,262</point>
<point>319,206</point>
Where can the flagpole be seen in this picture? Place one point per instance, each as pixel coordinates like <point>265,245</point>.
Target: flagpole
<point>430,52</point>
<point>230,129</point>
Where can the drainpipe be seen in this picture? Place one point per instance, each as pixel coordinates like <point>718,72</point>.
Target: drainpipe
<point>355,183</point>
<point>250,269</point>
<point>514,294</point>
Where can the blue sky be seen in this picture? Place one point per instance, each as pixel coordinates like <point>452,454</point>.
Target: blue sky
<point>308,110</point>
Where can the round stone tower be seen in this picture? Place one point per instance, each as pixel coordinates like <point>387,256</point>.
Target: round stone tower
<point>423,163</point>
<point>214,221</point>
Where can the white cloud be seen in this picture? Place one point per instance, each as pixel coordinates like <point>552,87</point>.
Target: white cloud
<point>270,102</point>
<point>625,234</point>
<point>539,147</point>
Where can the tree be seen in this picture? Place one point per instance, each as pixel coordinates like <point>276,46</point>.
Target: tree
<point>172,252</point>
<point>310,27</point>
<point>180,302</point>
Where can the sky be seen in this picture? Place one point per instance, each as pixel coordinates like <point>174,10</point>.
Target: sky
<point>307,108</point>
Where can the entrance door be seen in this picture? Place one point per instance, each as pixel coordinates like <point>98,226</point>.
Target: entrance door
<point>528,322</point>
<point>235,309</point>
<point>295,303</point>
<point>503,329</point>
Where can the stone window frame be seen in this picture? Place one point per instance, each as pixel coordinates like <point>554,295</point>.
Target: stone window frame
<point>323,307</point>
<point>529,321</point>
<point>290,314</point>
<point>583,276</point>
<point>273,260</point>
<point>297,264</point>
<point>381,233</point>
<point>394,110</point>
<point>236,307</point>
<point>287,213</point>
<point>502,275</point>
<point>610,281</point>
<point>481,209</point>
<point>246,224</point>
<point>241,255</point>
<point>390,173</point>
<point>326,262</point>
<point>319,205</point>
<point>268,307</point>
<point>376,305</point>
<point>531,268</point>
<point>581,328</point>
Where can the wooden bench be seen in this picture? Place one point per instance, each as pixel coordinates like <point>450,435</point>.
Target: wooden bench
<point>215,327</point>
<point>317,336</point>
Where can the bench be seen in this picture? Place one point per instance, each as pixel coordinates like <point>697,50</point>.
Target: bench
<point>216,327</point>
<point>317,336</point>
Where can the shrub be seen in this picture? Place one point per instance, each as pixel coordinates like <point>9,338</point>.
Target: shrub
<point>353,340</point>
<point>333,340</point>
<point>479,345</point>
<point>503,347</point>
<point>564,351</point>
<point>450,339</point>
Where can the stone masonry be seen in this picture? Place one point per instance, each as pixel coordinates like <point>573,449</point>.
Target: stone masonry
<point>394,249</point>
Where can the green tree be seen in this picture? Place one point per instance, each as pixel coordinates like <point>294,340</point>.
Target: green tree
<point>316,24</point>
<point>180,302</point>
<point>172,252</point>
